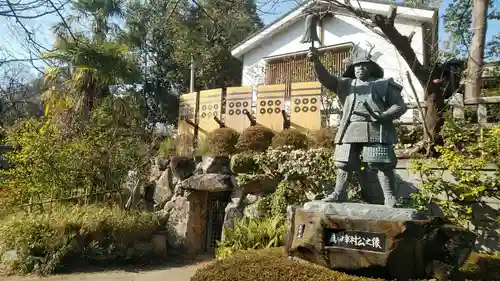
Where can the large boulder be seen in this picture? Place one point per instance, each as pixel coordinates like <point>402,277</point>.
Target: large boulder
<point>396,243</point>
<point>207,183</point>
<point>215,165</point>
<point>258,184</point>
<point>187,222</point>
<point>164,189</point>
<point>182,167</point>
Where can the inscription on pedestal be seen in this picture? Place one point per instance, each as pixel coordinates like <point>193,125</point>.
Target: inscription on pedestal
<point>355,240</point>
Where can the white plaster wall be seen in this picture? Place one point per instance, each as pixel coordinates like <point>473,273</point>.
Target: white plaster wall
<point>337,30</point>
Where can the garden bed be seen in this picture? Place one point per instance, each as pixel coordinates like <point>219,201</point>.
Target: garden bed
<point>43,244</point>
<point>271,264</point>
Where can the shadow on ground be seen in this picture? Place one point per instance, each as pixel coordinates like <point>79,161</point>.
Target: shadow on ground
<point>174,261</point>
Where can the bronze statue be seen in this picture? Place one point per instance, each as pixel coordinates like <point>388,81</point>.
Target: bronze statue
<point>366,131</point>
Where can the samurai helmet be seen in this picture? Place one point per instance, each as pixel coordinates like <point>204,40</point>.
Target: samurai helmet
<point>354,59</point>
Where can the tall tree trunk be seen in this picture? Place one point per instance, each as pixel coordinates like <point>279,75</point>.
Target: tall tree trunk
<point>476,50</point>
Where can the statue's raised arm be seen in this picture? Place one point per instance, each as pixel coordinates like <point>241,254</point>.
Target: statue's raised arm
<point>325,78</point>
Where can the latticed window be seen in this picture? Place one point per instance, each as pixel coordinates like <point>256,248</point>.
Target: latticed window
<point>297,68</point>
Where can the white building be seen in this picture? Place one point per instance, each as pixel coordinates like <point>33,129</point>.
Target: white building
<point>275,55</point>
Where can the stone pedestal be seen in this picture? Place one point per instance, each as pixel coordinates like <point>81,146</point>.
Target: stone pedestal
<point>391,242</point>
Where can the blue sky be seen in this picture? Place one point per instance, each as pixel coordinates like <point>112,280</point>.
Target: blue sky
<point>493,26</point>
<point>12,35</point>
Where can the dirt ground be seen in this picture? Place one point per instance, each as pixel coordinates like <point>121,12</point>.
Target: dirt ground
<point>167,272</point>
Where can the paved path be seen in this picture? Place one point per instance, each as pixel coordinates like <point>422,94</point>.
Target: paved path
<point>172,273</point>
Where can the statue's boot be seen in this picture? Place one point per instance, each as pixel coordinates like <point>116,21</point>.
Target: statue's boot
<point>340,194</point>
<point>387,180</point>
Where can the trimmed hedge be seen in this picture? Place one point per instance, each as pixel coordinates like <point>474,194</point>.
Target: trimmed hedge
<point>268,265</point>
<point>222,141</point>
<point>324,138</point>
<point>271,264</point>
<point>255,139</point>
<point>292,138</point>
<point>244,163</point>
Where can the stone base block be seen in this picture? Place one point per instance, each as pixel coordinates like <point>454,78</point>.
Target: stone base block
<point>378,239</point>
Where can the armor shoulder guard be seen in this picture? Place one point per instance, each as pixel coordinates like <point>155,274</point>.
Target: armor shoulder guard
<point>389,81</point>
<point>394,84</point>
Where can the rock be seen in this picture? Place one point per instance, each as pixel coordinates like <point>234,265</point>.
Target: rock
<point>169,205</point>
<point>164,188</point>
<point>376,241</point>
<point>187,223</point>
<point>215,165</point>
<point>161,216</point>
<point>198,170</point>
<point>312,196</point>
<point>254,211</point>
<point>251,198</point>
<point>208,182</point>
<point>162,163</point>
<point>237,196</point>
<point>160,245</point>
<point>365,211</point>
<point>182,167</point>
<point>154,173</point>
<point>9,256</point>
<point>232,213</point>
<point>262,183</point>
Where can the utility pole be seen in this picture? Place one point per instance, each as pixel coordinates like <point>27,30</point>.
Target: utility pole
<point>475,61</point>
<point>191,79</point>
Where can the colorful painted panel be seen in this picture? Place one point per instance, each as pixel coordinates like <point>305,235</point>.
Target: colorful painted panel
<point>210,107</point>
<point>238,103</point>
<point>270,102</point>
<point>305,106</point>
<point>187,111</point>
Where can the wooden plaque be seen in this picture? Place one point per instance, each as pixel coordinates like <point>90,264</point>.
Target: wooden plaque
<point>209,107</point>
<point>187,111</point>
<point>270,102</point>
<point>238,102</point>
<point>305,106</point>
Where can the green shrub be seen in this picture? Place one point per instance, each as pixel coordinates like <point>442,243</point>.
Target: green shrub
<point>250,233</point>
<point>59,162</point>
<point>244,163</point>
<point>222,141</point>
<point>202,147</point>
<point>409,134</point>
<point>314,167</point>
<point>268,265</point>
<point>167,147</point>
<point>288,193</point>
<point>465,157</point>
<point>290,138</point>
<point>482,267</point>
<point>184,144</point>
<point>69,233</point>
<point>324,138</point>
<point>255,139</point>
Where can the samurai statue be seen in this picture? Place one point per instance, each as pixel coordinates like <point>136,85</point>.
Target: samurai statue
<point>366,132</point>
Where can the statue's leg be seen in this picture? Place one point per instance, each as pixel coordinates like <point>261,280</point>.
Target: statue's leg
<point>387,179</point>
<point>381,159</point>
<point>343,177</point>
<point>346,158</point>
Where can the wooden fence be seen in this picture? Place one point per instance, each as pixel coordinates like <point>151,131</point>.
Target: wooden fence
<point>278,107</point>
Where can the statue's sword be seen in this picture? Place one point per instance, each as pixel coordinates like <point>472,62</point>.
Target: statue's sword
<point>372,113</point>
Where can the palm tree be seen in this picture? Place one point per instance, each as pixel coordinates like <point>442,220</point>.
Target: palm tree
<point>87,65</point>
